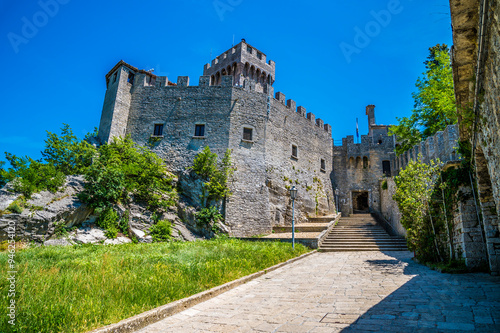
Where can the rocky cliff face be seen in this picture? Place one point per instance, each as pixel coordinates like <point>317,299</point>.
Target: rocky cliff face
<point>46,218</point>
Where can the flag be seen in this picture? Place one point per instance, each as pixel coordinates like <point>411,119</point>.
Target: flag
<point>357,129</point>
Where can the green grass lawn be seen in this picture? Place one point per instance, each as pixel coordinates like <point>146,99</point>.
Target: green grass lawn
<point>79,288</point>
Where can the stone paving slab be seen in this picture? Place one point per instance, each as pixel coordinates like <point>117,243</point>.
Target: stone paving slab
<point>349,291</point>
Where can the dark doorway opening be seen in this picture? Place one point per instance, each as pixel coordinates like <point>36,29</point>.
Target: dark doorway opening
<point>360,202</point>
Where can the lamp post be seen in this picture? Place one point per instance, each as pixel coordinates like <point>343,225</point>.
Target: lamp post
<point>293,195</point>
<point>337,199</point>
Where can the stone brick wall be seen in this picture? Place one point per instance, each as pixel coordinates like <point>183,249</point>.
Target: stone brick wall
<point>468,238</point>
<point>489,135</point>
<point>389,208</point>
<point>476,62</point>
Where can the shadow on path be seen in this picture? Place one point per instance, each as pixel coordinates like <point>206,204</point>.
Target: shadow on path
<point>431,301</point>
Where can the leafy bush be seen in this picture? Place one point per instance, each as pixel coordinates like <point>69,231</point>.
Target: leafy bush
<point>161,231</point>
<point>108,220</point>
<point>217,174</point>
<point>384,184</point>
<point>123,223</point>
<point>32,176</point>
<point>123,169</point>
<point>208,217</point>
<point>16,207</point>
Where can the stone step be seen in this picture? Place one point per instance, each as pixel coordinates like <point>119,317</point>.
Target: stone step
<point>354,249</point>
<point>362,244</point>
<point>363,240</point>
<point>304,227</point>
<point>361,233</point>
<point>341,234</point>
<point>321,219</point>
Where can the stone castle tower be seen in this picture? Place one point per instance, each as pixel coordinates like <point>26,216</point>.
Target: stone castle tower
<point>274,143</point>
<point>358,167</point>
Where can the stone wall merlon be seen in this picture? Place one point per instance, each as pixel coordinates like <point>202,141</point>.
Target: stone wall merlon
<point>291,105</point>
<point>301,110</point>
<point>328,128</point>
<point>204,81</point>
<point>280,97</point>
<point>320,123</point>
<point>311,117</point>
<point>183,81</point>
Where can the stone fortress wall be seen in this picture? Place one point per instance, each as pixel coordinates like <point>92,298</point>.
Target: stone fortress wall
<point>443,146</point>
<point>287,146</point>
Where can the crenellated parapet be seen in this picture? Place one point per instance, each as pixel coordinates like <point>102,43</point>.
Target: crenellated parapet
<point>443,146</point>
<point>291,105</point>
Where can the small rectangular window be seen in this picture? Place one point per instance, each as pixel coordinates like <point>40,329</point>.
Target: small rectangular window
<point>199,130</point>
<point>386,168</point>
<point>294,151</point>
<point>259,55</point>
<point>130,78</point>
<point>249,49</point>
<point>247,134</point>
<point>323,168</point>
<point>158,131</point>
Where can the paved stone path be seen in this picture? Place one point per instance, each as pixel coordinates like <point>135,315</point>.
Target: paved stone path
<point>349,291</point>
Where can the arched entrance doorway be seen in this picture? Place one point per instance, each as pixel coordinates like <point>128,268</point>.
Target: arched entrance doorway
<point>360,202</point>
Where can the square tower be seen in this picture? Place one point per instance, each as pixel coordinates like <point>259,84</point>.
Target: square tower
<point>243,62</point>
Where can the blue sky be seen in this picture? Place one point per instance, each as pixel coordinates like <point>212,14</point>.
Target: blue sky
<point>332,57</point>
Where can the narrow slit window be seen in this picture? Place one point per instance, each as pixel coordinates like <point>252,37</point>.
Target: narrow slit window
<point>247,134</point>
<point>130,78</point>
<point>199,130</point>
<point>158,131</point>
<point>323,167</point>
<point>294,151</point>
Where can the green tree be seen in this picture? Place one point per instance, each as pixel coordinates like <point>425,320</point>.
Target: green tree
<point>3,175</point>
<point>67,153</point>
<point>415,185</point>
<point>434,102</point>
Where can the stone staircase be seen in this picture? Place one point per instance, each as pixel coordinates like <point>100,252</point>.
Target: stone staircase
<point>360,232</point>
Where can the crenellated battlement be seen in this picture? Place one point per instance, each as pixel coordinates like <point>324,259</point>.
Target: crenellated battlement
<point>442,145</point>
<point>146,79</point>
<point>291,105</point>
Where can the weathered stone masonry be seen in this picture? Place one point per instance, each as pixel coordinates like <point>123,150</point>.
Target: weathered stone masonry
<point>137,101</point>
<point>476,63</point>
<point>358,167</point>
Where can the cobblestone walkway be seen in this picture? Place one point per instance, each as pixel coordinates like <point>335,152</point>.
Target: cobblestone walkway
<point>348,291</point>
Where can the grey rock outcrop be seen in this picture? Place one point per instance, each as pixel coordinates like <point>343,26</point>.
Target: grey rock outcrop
<point>44,210</point>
